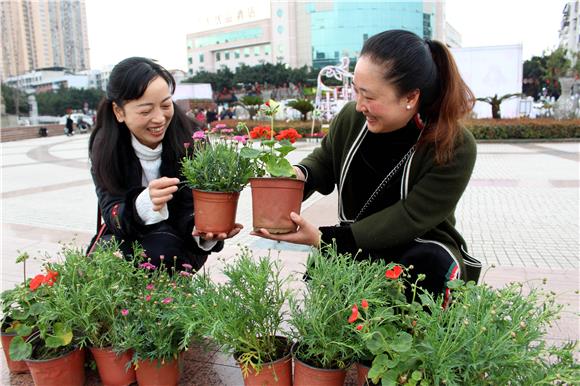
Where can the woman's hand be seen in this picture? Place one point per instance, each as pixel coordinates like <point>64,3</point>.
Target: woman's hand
<point>299,175</point>
<point>161,191</point>
<point>220,236</point>
<point>307,234</point>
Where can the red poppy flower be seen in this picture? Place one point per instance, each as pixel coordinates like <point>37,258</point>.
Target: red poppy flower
<point>359,327</point>
<point>354,315</point>
<point>36,282</point>
<point>365,304</point>
<point>50,278</point>
<point>394,273</point>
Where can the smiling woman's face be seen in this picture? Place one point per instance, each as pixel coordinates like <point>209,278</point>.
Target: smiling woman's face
<point>378,100</point>
<point>148,117</point>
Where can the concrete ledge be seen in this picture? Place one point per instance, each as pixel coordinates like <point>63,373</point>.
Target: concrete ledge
<point>8,134</point>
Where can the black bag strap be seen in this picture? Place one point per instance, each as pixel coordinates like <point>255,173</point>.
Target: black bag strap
<point>101,226</point>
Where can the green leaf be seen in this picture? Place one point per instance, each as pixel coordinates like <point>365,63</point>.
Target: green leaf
<point>279,167</point>
<point>23,330</point>
<point>390,379</point>
<point>417,375</point>
<point>37,308</point>
<point>284,150</point>
<point>376,344</point>
<point>454,284</point>
<point>402,342</point>
<point>269,142</point>
<point>19,349</point>
<point>62,336</point>
<point>250,153</point>
<point>20,314</point>
<point>53,342</point>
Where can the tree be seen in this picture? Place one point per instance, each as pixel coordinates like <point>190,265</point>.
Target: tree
<point>9,97</point>
<point>302,105</point>
<point>542,72</point>
<point>251,103</point>
<point>57,102</point>
<point>496,102</point>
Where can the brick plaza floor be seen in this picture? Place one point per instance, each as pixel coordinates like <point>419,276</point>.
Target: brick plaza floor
<point>520,212</point>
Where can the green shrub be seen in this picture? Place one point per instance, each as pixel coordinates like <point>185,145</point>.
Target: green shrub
<point>523,128</point>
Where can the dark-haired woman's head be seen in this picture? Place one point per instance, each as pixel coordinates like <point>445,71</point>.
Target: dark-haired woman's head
<point>138,102</point>
<point>139,93</point>
<point>399,75</point>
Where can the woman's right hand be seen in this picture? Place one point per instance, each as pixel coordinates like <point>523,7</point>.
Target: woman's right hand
<point>299,175</point>
<point>161,191</point>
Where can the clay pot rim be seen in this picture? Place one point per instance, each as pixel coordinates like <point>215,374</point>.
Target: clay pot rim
<point>51,359</point>
<point>288,350</point>
<point>215,191</point>
<point>296,358</point>
<point>276,178</point>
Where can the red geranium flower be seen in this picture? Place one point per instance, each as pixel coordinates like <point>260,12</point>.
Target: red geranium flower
<point>262,132</point>
<point>394,273</point>
<point>289,134</point>
<point>354,315</point>
<point>36,282</point>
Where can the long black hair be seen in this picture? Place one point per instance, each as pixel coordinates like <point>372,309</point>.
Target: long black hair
<point>110,139</point>
<point>412,63</point>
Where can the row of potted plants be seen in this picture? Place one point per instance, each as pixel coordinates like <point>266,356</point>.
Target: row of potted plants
<point>220,165</point>
<point>144,317</point>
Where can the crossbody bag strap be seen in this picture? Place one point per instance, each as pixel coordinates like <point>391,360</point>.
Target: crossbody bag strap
<point>385,181</point>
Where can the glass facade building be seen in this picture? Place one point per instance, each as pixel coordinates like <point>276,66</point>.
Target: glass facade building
<point>311,33</point>
<point>341,30</point>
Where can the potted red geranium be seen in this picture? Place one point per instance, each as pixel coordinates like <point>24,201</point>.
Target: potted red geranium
<point>275,190</point>
<point>46,339</point>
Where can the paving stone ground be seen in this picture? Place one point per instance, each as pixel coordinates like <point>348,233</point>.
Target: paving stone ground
<point>520,213</point>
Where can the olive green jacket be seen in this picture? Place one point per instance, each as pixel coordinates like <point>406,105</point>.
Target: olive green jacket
<point>429,191</point>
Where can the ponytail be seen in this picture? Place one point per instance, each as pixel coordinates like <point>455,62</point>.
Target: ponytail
<point>453,100</point>
<point>411,63</point>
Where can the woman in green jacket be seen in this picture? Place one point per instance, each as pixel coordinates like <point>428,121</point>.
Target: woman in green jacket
<point>400,161</point>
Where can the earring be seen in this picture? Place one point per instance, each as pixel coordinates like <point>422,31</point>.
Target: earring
<point>408,107</point>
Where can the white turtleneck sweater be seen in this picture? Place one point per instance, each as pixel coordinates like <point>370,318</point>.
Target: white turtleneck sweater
<point>150,160</point>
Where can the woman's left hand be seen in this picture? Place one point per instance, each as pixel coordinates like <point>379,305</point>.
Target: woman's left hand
<point>307,234</point>
<point>219,236</point>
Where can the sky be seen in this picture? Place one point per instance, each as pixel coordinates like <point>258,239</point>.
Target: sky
<point>157,29</point>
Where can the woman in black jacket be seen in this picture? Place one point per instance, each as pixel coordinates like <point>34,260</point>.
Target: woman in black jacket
<point>400,161</point>
<point>135,151</point>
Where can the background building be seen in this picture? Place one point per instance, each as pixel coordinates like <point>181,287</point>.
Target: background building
<point>43,33</point>
<point>313,33</point>
<point>570,30</point>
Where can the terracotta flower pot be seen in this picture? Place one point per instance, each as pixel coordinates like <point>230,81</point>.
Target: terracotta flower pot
<point>272,201</point>
<point>68,369</point>
<point>215,212</point>
<point>362,374</point>
<point>277,373</point>
<point>155,373</point>
<point>306,375</point>
<point>113,368</point>
<point>16,367</point>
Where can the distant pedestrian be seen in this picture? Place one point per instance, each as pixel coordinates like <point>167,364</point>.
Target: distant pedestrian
<point>68,127</point>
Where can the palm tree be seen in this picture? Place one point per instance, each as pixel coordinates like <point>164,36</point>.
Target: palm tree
<point>496,102</point>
